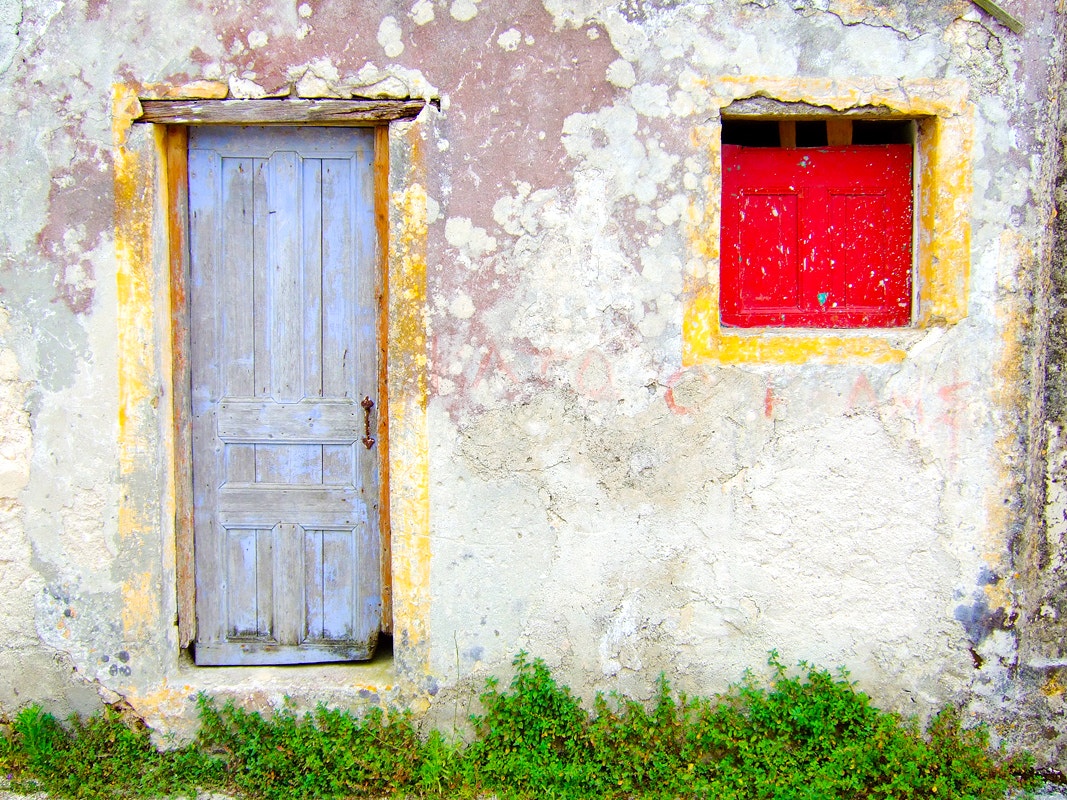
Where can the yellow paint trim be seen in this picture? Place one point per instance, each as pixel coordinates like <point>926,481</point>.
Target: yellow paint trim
<point>943,246</point>
<point>140,607</point>
<point>409,460</point>
<point>136,323</point>
<point>126,101</point>
<point>138,399</point>
<point>162,701</point>
<point>194,90</point>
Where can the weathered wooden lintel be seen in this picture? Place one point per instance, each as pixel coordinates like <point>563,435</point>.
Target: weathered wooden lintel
<point>277,111</point>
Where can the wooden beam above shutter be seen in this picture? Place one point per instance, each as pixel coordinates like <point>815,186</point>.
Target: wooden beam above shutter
<point>277,112</point>
<point>787,134</point>
<point>838,132</point>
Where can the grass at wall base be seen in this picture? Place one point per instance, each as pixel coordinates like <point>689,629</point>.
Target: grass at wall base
<point>810,736</point>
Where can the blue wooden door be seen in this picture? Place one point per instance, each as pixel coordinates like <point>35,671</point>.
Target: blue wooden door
<point>283,302</point>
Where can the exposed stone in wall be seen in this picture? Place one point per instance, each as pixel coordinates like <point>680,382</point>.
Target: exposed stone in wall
<point>1023,698</point>
<point>1047,637</point>
<point>1056,386</point>
<point>1045,562</point>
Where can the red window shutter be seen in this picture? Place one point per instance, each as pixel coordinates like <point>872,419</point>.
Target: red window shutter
<point>817,238</point>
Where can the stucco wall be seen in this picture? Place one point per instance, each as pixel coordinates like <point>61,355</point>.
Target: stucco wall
<point>573,477</point>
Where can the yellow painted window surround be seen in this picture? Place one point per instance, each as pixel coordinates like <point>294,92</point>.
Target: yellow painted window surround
<point>945,122</point>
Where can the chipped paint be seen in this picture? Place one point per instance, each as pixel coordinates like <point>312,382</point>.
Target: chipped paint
<point>162,702</point>
<point>408,384</point>
<point>134,178</point>
<point>140,607</point>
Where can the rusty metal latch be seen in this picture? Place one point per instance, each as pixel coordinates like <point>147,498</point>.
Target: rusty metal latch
<point>368,440</point>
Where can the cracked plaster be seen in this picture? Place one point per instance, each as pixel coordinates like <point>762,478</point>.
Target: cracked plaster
<point>584,495</point>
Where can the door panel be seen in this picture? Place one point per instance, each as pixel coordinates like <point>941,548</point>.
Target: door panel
<point>283,310</point>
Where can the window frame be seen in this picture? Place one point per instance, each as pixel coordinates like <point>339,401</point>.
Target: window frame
<point>941,256</point>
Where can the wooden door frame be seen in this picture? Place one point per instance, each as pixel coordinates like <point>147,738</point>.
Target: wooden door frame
<point>174,117</point>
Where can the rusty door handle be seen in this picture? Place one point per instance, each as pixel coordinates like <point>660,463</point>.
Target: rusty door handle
<point>368,440</point>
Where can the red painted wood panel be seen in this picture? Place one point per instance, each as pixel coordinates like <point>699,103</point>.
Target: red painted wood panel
<point>817,238</point>
<point>769,277</point>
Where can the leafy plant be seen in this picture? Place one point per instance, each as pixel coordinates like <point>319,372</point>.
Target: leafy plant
<point>532,739</point>
<point>101,757</point>
<point>326,754</point>
<point>808,736</point>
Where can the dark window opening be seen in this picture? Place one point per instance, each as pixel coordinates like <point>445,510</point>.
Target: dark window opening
<point>816,132</point>
<point>750,133</point>
<point>810,134</point>
<point>889,131</point>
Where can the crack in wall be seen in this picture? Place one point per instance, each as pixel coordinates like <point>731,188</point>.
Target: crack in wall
<point>895,17</point>
<point>11,16</point>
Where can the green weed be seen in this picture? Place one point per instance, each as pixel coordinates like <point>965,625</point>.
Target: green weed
<point>532,740</point>
<point>326,754</point>
<point>809,736</point>
<point>101,757</point>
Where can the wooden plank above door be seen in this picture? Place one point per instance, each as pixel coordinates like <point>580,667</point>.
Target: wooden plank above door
<point>277,111</point>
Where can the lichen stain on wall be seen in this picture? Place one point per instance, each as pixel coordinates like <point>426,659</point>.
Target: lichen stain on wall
<point>81,187</point>
<point>71,184</point>
<point>509,96</point>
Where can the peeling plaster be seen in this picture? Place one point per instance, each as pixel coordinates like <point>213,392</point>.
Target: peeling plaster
<point>578,466</point>
<point>908,19</point>
<point>389,37</point>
